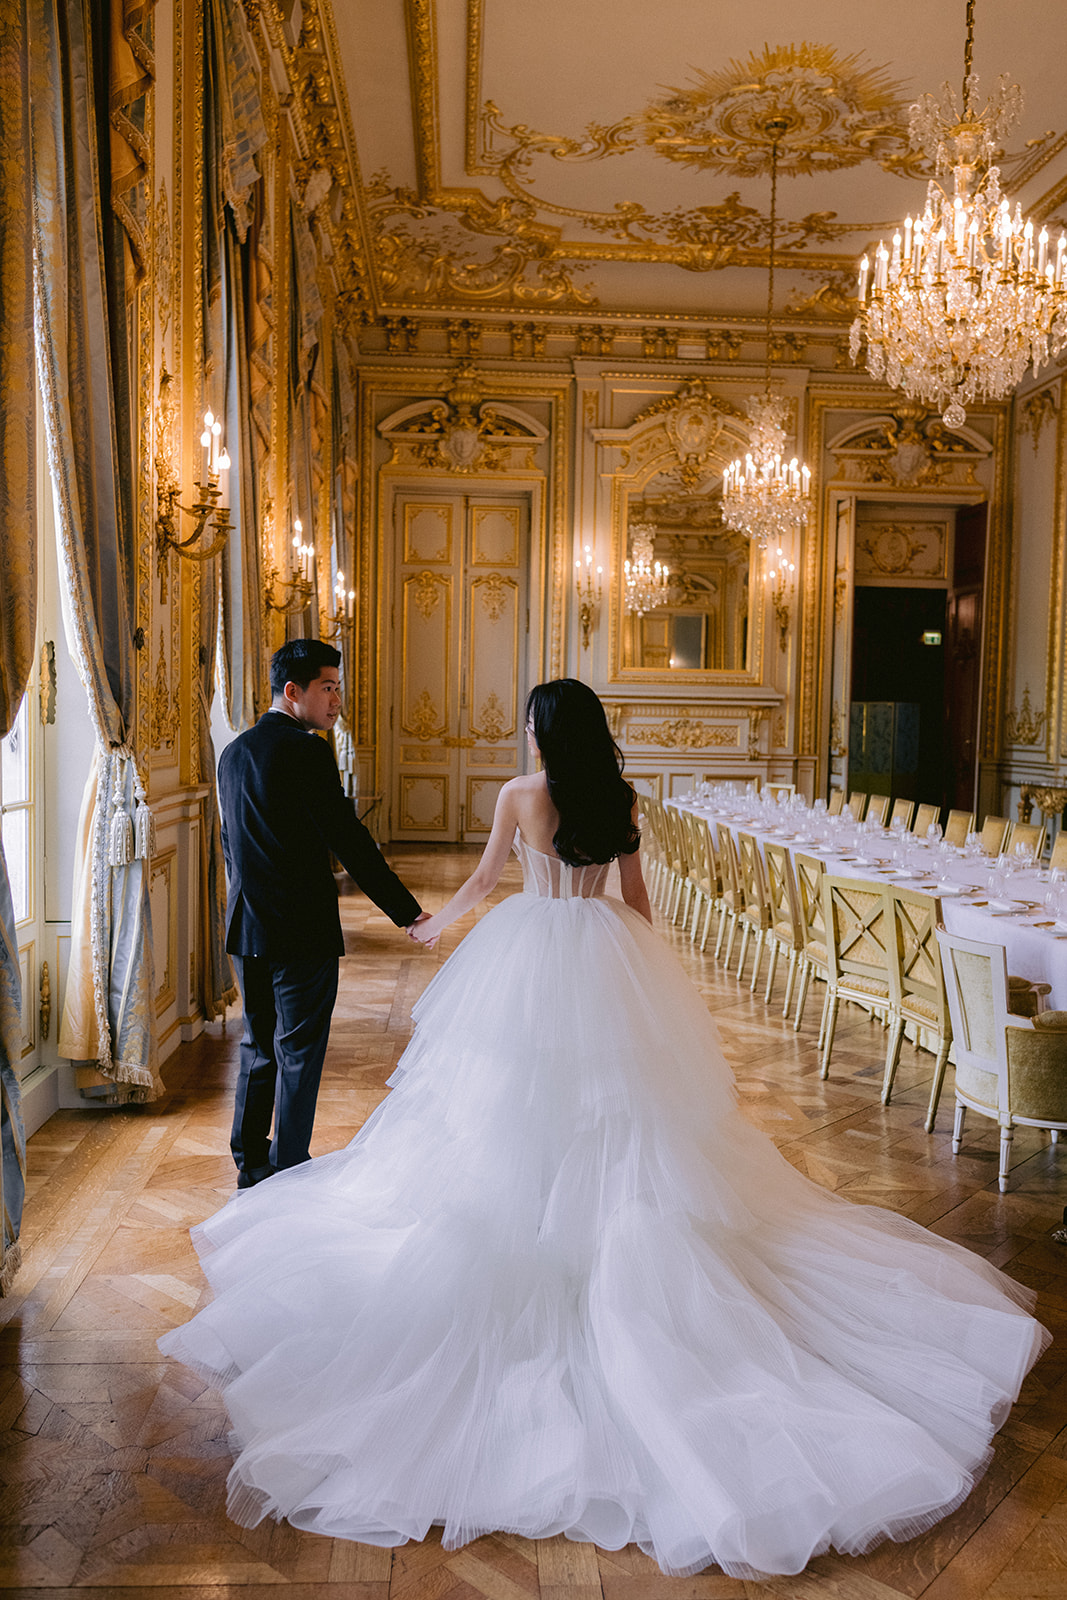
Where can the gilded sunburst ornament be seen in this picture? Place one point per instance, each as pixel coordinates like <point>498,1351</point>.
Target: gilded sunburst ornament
<point>838,110</point>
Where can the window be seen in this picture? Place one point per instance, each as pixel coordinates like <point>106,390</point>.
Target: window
<point>16,811</point>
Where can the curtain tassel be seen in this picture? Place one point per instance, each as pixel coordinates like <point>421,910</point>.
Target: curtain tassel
<point>120,853</point>
<point>145,830</point>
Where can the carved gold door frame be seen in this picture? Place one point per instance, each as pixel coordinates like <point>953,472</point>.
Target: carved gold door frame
<point>460,620</point>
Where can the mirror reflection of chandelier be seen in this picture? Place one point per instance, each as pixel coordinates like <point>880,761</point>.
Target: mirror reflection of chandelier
<point>647,581</point>
<point>764,496</point>
<point>968,298</point>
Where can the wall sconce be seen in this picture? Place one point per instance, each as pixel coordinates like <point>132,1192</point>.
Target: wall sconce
<point>211,519</point>
<point>300,583</point>
<point>344,608</point>
<point>588,597</point>
<point>781,577</point>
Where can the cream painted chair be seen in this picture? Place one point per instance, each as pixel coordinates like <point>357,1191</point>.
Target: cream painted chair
<point>903,811</point>
<point>809,876</point>
<point>733,899</point>
<point>858,919</point>
<point>924,816</point>
<point>994,833</point>
<point>1058,859</point>
<point>776,789</point>
<point>958,825</point>
<point>703,872</point>
<point>878,808</point>
<point>836,803</point>
<point>653,850</point>
<point>755,912</point>
<point>1010,1069</point>
<point>917,987</point>
<point>786,932</point>
<point>857,802</point>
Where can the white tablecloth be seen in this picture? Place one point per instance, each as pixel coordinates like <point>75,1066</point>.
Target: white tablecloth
<point>1037,953</point>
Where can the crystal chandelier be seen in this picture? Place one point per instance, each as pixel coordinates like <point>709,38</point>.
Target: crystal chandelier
<point>961,306</point>
<point>647,582</point>
<point>764,496</point>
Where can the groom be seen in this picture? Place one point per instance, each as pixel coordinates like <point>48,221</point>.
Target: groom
<point>283,812</point>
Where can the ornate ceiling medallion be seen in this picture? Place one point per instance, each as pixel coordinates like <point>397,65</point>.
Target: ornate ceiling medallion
<point>837,112</point>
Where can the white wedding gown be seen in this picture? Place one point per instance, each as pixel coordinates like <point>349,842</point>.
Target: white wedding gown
<point>558,1284</point>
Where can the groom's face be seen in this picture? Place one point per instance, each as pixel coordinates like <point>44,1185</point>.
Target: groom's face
<point>319,705</point>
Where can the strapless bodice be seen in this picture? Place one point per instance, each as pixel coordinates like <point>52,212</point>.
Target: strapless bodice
<point>553,879</point>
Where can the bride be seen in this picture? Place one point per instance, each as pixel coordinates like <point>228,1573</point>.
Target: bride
<point>558,1284</point>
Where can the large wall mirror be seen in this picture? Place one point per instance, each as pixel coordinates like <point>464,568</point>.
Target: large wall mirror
<point>702,621</point>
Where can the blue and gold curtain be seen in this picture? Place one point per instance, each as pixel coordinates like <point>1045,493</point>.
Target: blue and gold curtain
<point>84,68</point>
<point>18,562</point>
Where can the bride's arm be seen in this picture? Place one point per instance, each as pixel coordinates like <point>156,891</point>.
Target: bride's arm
<point>485,875</point>
<point>633,881</point>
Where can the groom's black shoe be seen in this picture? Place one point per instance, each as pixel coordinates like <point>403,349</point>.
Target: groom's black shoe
<point>248,1180</point>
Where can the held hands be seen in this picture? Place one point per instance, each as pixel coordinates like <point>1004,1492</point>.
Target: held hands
<point>420,932</point>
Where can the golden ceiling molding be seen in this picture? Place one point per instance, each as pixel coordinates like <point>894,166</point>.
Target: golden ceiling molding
<point>838,112</point>
<point>420,18</point>
<point>699,238</point>
<point>432,267</point>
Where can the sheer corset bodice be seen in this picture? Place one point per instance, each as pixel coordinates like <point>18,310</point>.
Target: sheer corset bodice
<point>552,879</point>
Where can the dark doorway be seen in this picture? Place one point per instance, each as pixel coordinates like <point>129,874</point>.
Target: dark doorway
<point>891,662</point>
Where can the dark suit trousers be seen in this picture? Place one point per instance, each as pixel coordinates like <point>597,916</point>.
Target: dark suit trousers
<point>287,1010</point>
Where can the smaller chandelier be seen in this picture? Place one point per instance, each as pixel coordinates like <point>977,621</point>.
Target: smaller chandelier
<point>764,497</point>
<point>647,582</point>
<point>968,298</point>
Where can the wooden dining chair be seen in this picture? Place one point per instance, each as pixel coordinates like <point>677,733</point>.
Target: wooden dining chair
<point>1058,859</point>
<point>994,833</point>
<point>958,825</point>
<point>878,808</point>
<point>903,811</point>
<point>924,816</point>
<point>703,872</point>
<point>858,919</point>
<point>918,988</point>
<point>1030,833</point>
<point>776,789</point>
<point>836,803</point>
<point>1008,1068</point>
<point>809,876</point>
<point>857,801</point>
<point>732,896</point>
<point>786,933</point>
<point>755,912</point>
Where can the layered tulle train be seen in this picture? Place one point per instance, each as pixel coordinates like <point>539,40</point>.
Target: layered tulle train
<point>558,1284</point>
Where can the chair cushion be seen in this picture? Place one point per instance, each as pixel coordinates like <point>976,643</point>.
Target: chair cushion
<point>1054,1021</point>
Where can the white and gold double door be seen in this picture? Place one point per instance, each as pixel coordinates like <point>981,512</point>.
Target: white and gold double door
<point>458,683</point>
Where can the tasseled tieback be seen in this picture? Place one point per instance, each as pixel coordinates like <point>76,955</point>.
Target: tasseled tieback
<point>131,838</point>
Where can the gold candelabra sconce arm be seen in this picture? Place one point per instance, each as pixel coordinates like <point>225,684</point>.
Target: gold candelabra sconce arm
<point>589,596</point>
<point>294,593</point>
<point>343,619</point>
<point>287,596</point>
<point>780,579</point>
<point>211,519</point>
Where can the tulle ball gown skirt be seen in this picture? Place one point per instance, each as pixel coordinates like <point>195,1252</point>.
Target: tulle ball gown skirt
<point>558,1284</point>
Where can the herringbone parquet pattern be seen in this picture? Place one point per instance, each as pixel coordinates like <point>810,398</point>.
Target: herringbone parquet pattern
<point>113,1462</point>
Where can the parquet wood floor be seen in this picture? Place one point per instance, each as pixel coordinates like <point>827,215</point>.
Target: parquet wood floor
<point>113,1461</point>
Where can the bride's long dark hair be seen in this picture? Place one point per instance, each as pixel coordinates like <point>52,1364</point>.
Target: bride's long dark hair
<point>583,766</point>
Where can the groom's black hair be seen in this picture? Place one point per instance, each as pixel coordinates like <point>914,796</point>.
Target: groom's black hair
<point>299,661</point>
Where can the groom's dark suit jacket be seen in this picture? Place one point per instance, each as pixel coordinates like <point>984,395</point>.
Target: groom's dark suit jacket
<point>283,811</point>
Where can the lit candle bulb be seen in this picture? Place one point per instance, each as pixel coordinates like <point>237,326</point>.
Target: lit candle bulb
<point>205,445</point>
<point>216,439</point>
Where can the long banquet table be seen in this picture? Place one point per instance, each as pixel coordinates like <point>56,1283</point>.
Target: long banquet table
<point>1034,952</point>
